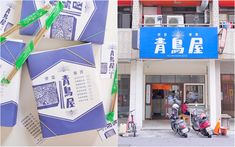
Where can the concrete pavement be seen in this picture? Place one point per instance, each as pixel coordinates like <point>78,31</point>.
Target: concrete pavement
<point>168,138</point>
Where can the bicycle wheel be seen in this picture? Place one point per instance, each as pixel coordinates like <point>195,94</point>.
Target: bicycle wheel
<point>134,129</point>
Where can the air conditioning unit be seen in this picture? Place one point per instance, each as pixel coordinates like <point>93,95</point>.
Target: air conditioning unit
<point>153,20</point>
<point>194,19</point>
<point>175,20</point>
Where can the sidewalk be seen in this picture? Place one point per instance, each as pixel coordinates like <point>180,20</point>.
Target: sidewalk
<point>159,133</point>
<point>168,138</point>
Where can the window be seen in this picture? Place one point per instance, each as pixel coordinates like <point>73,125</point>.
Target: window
<point>194,93</point>
<point>226,18</point>
<point>168,79</point>
<point>175,79</point>
<point>182,79</point>
<point>123,95</point>
<point>124,17</point>
<point>153,79</point>
<point>197,79</point>
<point>227,88</point>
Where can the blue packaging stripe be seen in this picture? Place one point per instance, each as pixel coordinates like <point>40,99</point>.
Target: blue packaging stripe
<point>8,114</point>
<point>36,67</point>
<point>10,50</point>
<point>95,119</point>
<point>29,7</point>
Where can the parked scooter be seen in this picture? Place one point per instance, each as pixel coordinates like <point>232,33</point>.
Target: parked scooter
<point>200,123</point>
<point>178,125</point>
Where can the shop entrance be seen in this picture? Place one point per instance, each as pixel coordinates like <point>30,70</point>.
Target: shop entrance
<point>157,105</point>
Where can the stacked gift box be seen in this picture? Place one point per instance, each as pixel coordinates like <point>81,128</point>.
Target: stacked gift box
<point>63,80</point>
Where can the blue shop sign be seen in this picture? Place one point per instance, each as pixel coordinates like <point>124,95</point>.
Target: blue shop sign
<point>178,42</point>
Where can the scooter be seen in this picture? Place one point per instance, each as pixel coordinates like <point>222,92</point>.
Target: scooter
<point>200,123</point>
<point>178,125</point>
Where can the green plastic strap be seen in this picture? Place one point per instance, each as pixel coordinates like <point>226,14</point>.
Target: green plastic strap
<point>110,117</point>
<point>32,18</point>
<point>5,81</point>
<point>54,14</point>
<point>115,83</point>
<point>2,39</point>
<point>24,55</point>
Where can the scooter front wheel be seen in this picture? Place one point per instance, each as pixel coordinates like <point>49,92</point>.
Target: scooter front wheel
<point>185,135</point>
<point>173,127</point>
<point>195,128</point>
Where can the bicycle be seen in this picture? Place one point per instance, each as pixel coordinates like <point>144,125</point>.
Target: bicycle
<point>131,126</point>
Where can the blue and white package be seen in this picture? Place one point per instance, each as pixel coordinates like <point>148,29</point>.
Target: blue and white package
<point>81,20</point>
<point>7,13</point>
<point>66,91</point>
<point>9,93</point>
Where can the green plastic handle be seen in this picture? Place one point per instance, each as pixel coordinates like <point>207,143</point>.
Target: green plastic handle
<point>32,18</point>
<point>115,83</point>
<point>24,55</point>
<point>54,14</point>
<point>2,39</point>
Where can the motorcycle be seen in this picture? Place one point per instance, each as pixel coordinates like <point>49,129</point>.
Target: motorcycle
<point>200,123</point>
<point>178,125</point>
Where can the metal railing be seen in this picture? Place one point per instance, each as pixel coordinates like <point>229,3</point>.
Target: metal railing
<point>174,24</point>
<point>227,25</point>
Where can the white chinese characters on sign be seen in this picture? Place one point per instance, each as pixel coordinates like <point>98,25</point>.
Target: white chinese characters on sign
<point>177,43</point>
<point>160,44</point>
<point>177,46</point>
<point>195,47</point>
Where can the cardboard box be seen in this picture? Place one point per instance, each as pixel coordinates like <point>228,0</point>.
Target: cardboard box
<point>80,20</point>
<point>65,89</point>
<point>9,93</point>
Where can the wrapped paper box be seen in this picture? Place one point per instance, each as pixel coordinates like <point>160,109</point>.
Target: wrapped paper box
<point>82,20</point>
<point>7,15</point>
<point>9,93</point>
<point>65,89</point>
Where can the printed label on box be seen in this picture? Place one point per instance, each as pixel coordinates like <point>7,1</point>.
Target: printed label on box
<point>7,15</point>
<point>108,60</point>
<point>109,131</point>
<point>66,90</point>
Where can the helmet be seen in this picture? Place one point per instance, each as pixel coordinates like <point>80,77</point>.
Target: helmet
<point>203,115</point>
<point>175,106</point>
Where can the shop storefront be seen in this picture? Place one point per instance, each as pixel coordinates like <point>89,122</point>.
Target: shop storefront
<point>184,78</point>
<point>178,60</point>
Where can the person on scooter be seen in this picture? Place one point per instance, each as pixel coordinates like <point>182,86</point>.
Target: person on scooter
<point>184,108</point>
<point>174,111</point>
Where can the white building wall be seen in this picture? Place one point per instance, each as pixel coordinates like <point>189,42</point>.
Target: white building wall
<point>227,67</point>
<point>124,68</point>
<point>137,91</point>
<point>175,67</point>
<point>139,94</point>
<point>214,91</point>
<point>229,49</point>
<point>124,44</point>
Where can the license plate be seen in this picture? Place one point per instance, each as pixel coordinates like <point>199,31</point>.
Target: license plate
<point>185,130</point>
